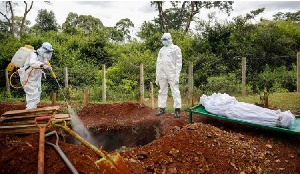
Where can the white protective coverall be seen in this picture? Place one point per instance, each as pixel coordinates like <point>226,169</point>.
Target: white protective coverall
<point>168,68</point>
<point>33,87</point>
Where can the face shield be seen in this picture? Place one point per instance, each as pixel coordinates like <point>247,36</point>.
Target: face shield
<point>166,39</point>
<point>47,55</point>
<point>165,42</point>
<point>45,51</point>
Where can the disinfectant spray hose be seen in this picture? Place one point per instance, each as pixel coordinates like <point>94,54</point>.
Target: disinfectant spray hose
<point>25,81</point>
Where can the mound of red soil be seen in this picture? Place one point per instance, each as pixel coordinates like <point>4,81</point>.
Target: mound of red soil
<point>112,115</point>
<point>124,115</point>
<point>9,106</point>
<point>200,148</point>
<point>207,146</point>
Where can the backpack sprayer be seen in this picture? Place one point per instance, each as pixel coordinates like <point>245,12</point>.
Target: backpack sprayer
<point>19,60</point>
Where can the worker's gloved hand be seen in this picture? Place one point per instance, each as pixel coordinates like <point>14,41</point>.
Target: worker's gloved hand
<point>46,67</point>
<point>177,78</point>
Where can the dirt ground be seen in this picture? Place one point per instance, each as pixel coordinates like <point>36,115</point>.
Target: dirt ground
<point>150,144</point>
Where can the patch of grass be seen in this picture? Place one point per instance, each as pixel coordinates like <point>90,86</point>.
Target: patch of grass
<point>283,101</point>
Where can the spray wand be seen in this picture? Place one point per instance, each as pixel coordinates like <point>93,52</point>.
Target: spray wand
<point>54,76</point>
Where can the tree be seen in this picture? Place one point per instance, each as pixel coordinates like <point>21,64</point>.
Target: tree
<point>45,21</point>
<point>158,5</point>
<point>150,33</point>
<point>287,16</point>
<point>24,18</point>
<point>181,16</point>
<point>123,27</point>
<point>20,24</point>
<point>4,27</point>
<point>11,20</point>
<point>85,23</point>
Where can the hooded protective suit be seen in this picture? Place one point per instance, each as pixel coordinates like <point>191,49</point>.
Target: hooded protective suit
<point>168,68</point>
<point>33,88</point>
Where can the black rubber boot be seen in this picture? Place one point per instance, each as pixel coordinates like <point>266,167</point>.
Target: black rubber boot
<point>160,112</point>
<point>177,113</point>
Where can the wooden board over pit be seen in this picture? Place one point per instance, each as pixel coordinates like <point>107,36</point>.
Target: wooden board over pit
<point>22,121</point>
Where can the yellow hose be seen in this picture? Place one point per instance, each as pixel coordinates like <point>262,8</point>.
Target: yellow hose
<point>25,81</point>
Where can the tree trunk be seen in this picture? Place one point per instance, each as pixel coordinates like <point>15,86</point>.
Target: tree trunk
<point>161,14</point>
<point>12,23</point>
<point>24,18</point>
<point>190,18</point>
<point>180,15</point>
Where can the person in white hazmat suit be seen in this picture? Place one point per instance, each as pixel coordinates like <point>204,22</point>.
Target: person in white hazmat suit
<point>168,68</point>
<point>33,87</point>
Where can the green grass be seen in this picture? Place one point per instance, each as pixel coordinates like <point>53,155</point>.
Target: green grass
<point>283,101</point>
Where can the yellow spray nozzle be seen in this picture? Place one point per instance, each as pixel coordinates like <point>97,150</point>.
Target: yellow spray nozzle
<point>53,74</point>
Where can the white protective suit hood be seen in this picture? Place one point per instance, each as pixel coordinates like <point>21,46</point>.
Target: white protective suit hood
<point>166,39</point>
<point>45,51</point>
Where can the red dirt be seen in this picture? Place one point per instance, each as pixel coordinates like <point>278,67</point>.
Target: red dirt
<point>207,146</point>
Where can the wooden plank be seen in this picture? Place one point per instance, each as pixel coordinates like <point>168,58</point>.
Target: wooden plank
<point>29,111</point>
<point>17,122</point>
<point>30,114</point>
<point>65,119</point>
<point>61,116</point>
<point>21,126</point>
<point>27,130</point>
<point>23,116</point>
<point>28,120</point>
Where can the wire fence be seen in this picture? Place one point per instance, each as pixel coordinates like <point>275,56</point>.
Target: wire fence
<point>136,82</point>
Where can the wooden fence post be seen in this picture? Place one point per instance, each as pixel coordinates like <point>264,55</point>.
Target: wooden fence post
<point>53,99</point>
<point>142,95</point>
<point>103,83</point>
<point>7,82</point>
<point>191,84</point>
<point>266,99</point>
<point>152,96</point>
<point>85,97</point>
<point>298,71</point>
<point>244,76</point>
<point>66,77</point>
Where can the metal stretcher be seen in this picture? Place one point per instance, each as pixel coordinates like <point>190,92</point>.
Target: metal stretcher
<point>199,109</point>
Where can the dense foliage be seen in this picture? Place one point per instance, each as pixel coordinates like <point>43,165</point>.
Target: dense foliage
<point>83,44</point>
